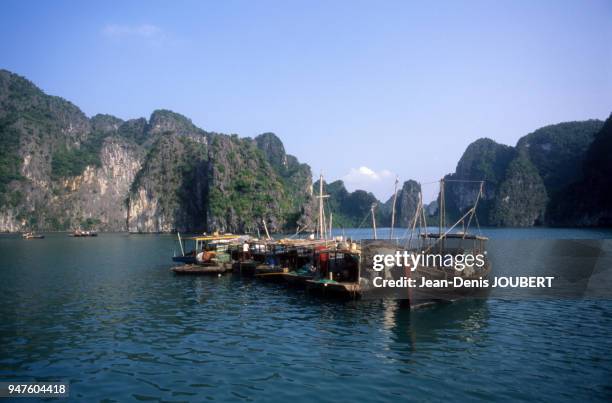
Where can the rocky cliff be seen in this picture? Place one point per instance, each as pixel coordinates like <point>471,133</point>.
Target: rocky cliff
<point>587,201</point>
<point>350,209</point>
<point>61,170</point>
<point>408,199</point>
<point>522,183</point>
<point>485,160</point>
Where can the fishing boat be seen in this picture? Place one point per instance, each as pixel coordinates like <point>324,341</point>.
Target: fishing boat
<point>348,272</point>
<point>198,245</point>
<point>256,257</point>
<point>210,254</point>
<point>31,235</point>
<point>337,271</point>
<point>83,234</point>
<point>290,261</point>
<point>301,261</point>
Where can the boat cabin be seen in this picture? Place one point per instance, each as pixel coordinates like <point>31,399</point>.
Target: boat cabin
<point>201,247</point>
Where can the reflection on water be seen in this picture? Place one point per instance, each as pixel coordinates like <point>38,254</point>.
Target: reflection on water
<point>107,315</point>
<point>465,320</point>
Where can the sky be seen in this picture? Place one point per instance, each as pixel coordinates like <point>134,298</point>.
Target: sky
<point>361,91</point>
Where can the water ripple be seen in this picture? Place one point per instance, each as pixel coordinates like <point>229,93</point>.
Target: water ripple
<point>120,327</point>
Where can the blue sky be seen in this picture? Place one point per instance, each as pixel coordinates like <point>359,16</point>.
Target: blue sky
<point>359,90</point>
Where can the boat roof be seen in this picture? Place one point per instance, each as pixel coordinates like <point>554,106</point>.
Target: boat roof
<point>226,237</point>
<point>303,242</point>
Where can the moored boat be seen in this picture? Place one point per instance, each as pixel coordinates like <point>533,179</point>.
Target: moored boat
<point>210,254</point>
<point>350,272</point>
<point>337,271</point>
<point>255,257</point>
<point>31,235</point>
<point>205,247</point>
<point>83,234</point>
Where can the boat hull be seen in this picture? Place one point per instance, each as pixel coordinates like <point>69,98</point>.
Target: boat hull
<point>184,259</point>
<point>195,269</point>
<point>334,289</point>
<point>296,280</point>
<point>272,276</point>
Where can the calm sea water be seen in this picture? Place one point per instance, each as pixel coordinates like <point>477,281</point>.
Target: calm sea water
<point>106,315</point>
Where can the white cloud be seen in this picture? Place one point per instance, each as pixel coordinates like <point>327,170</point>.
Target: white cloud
<point>147,31</point>
<point>364,174</point>
<point>378,182</point>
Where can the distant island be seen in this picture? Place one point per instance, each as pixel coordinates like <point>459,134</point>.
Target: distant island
<point>61,170</point>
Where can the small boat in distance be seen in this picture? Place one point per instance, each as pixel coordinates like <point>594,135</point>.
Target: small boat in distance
<point>31,235</point>
<point>82,234</point>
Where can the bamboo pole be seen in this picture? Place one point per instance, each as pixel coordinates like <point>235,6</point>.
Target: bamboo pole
<point>374,219</point>
<point>322,225</point>
<point>266,229</point>
<point>393,208</point>
<point>321,233</point>
<point>180,243</point>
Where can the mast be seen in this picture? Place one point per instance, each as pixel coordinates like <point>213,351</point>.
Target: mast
<point>178,234</point>
<point>321,206</point>
<point>321,196</point>
<point>393,208</point>
<point>266,228</point>
<point>374,219</point>
<point>442,213</point>
<point>331,219</point>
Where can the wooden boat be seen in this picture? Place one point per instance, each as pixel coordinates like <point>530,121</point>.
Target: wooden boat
<point>275,260</point>
<point>335,265</point>
<point>337,272</point>
<point>348,272</point>
<point>83,234</point>
<point>256,257</point>
<point>31,235</point>
<point>298,278</point>
<point>201,248</point>
<point>301,262</point>
<point>274,274</point>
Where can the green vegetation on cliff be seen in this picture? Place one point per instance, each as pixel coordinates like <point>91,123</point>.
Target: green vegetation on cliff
<point>9,160</point>
<point>522,183</point>
<point>588,200</point>
<point>66,162</point>
<point>164,173</point>
<point>558,151</point>
<point>483,160</point>
<point>521,197</point>
<point>349,209</point>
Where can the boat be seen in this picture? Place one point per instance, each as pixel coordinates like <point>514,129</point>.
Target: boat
<point>200,245</point>
<point>337,271</point>
<point>31,235</point>
<point>301,266</point>
<point>442,279</point>
<point>256,256</point>
<point>211,254</point>
<point>83,234</point>
<point>281,260</point>
<point>348,271</point>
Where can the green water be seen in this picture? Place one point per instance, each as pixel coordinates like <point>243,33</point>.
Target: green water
<point>106,315</point>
